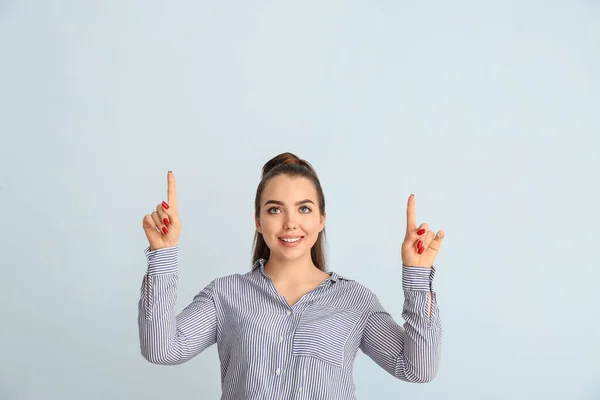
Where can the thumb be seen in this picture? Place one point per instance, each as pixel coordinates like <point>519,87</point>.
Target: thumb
<point>436,243</point>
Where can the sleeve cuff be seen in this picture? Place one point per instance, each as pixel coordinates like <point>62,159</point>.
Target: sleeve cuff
<point>161,261</point>
<point>417,278</point>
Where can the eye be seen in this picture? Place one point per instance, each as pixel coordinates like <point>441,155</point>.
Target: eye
<point>271,209</point>
<point>307,208</point>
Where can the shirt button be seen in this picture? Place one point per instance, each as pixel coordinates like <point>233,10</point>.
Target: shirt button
<point>277,371</point>
<point>281,339</point>
<point>288,312</point>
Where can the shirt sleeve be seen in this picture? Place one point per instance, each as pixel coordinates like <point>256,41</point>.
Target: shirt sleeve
<point>167,338</point>
<point>410,352</point>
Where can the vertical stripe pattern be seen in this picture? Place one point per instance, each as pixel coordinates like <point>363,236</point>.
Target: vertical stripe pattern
<point>271,350</point>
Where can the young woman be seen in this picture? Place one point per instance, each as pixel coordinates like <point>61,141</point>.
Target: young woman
<point>288,329</point>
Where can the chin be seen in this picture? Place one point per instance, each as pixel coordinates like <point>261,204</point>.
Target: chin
<point>287,254</point>
<point>295,255</point>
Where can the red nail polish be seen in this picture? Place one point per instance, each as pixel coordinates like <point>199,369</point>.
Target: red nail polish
<point>165,230</point>
<point>420,231</point>
<point>421,250</point>
<point>166,221</point>
<point>419,244</point>
<point>165,205</point>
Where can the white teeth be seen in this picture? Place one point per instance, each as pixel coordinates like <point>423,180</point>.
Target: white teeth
<point>290,240</point>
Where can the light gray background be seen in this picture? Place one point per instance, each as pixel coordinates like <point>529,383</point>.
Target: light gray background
<point>487,111</point>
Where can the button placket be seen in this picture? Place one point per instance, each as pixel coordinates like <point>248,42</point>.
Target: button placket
<point>281,339</point>
<point>302,380</point>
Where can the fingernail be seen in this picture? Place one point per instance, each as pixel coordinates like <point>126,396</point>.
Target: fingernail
<point>420,231</point>
<point>165,230</point>
<point>420,251</point>
<point>419,244</point>
<point>165,205</point>
<point>166,221</point>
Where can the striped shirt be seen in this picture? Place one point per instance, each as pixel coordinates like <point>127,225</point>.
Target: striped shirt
<point>271,350</point>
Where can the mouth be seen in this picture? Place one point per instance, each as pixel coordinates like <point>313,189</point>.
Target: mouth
<point>291,241</point>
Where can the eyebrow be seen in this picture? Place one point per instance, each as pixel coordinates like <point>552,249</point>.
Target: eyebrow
<point>297,203</point>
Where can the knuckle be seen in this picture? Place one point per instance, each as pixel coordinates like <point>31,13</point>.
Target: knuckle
<point>161,210</point>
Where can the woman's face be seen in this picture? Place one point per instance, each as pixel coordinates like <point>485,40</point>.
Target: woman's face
<point>289,219</point>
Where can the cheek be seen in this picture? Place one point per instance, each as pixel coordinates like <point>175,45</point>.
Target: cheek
<point>268,226</point>
<point>313,225</point>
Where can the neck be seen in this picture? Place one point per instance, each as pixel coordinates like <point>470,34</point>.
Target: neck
<point>290,270</point>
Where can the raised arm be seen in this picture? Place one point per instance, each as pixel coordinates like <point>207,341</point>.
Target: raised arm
<point>165,337</point>
<point>410,352</point>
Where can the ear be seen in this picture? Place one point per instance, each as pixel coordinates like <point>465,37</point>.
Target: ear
<point>322,222</point>
<point>257,224</point>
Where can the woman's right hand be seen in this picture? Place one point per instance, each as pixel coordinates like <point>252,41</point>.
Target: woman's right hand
<point>163,227</point>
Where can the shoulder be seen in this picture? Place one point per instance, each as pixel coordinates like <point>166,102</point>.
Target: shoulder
<point>349,283</point>
<point>227,283</point>
<point>355,294</point>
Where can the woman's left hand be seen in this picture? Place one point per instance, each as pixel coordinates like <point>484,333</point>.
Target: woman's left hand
<point>420,246</point>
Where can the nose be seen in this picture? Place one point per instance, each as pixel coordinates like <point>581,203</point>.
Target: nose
<point>290,223</point>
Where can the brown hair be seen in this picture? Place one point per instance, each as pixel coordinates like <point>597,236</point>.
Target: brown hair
<point>291,165</point>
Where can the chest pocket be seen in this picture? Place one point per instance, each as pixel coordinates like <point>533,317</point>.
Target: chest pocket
<point>323,333</point>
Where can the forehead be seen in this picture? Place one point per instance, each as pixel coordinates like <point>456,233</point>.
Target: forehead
<point>284,187</point>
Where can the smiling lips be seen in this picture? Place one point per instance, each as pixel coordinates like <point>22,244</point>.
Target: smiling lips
<point>291,241</point>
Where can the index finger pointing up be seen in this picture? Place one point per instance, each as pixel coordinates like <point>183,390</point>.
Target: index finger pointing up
<point>171,190</point>
<point>411,220</point>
